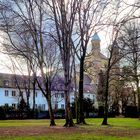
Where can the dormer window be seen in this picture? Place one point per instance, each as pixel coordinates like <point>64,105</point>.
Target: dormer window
<point>6,83</point>
<point>15,83</point>
<point>62,95</point>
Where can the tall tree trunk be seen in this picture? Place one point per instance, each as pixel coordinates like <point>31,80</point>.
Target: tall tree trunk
<point>139,105</point>
<point>135,98</point>
<point>75,94</point>
<point>28,95</point>
<point>28,104</point>
<point>34,97</point>
<point>68,114</point>
<point>106,100</point>
<point>138,96</point>
<point>81,118</point>
<point>77,109</point>
<point>51,113</point>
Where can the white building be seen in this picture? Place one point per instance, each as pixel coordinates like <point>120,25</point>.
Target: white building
<point>13,86</point>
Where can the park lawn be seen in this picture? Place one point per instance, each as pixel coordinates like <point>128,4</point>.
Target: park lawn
<point>117,122</point>
<point>73,136</point>
<point>38,122</point>
<point>69,137</point>
<point>119,129</point>
<point>121,122</point>
<point>13,123</point>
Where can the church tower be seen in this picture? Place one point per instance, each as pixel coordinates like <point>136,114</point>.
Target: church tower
<point>96,61</point>
<point>95,41</point>
<point>115,58</point>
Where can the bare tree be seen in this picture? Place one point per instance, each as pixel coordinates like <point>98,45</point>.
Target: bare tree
<point>22,78</point>
<point>130,38</point>
<point>25,23</point>
<point>63,13</point>
<point>90,15</point>
<point>117,19</point>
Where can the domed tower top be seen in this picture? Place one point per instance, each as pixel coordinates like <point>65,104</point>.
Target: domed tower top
<point>95,37</point>
<point>95,42</point>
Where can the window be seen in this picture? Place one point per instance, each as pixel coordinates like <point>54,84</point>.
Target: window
<point>72,98</point>
<point>6,105</point>
<point>14,106</point>
<point>62,106</point>
<point>6,83</point>
<point>39,107</point>
<point>36,94</point>
<point>13,93</point>
<point>6,93</point>
<point>43,106</point>
<point>56,105</point>
<point>15,83</point>
<point>56,95</point>
<point>35,106</point>
<point>62,95</point>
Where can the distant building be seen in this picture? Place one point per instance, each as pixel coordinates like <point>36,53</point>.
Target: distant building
<point>13,87</point>
<point>95,61</point>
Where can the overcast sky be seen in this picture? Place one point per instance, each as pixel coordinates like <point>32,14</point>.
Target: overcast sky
<point>104,36</point>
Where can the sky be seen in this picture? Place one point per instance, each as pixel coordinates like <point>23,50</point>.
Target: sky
<point>5,63</point>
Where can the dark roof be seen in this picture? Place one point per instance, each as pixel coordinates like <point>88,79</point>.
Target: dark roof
<point>57,84</point>
<point>13,80</point>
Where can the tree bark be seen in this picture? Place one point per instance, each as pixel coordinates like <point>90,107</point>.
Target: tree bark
<point>139,105</point>
<point>68,115</point>
<point>76,110</point>
<point>81,118</point>
<point>33,97</point>
<point>51,113</point>
<point>106,100</point>
<point>138,96</point>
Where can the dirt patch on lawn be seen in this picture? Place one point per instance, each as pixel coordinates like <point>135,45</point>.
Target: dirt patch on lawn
<point>34,131</point>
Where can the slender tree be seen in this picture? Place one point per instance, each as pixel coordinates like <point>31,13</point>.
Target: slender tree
<point>24,23</point>
<point>130,38</point>
<point>86,23</point>
<point>63,14</point>
<point>118,18</point>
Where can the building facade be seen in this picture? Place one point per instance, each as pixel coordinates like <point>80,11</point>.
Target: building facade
<point>14,87</point>
<point>95,61</point>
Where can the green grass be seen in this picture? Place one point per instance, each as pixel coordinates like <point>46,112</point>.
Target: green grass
<point>129,122</point>
<point>12,123</point>
<point>44,122</point>
<point>117,124</point>
<point>73,137</point>
<point>70,137</point>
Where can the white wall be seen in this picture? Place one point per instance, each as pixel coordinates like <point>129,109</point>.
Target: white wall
<point>8,99</point>
<point>40,101</point>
